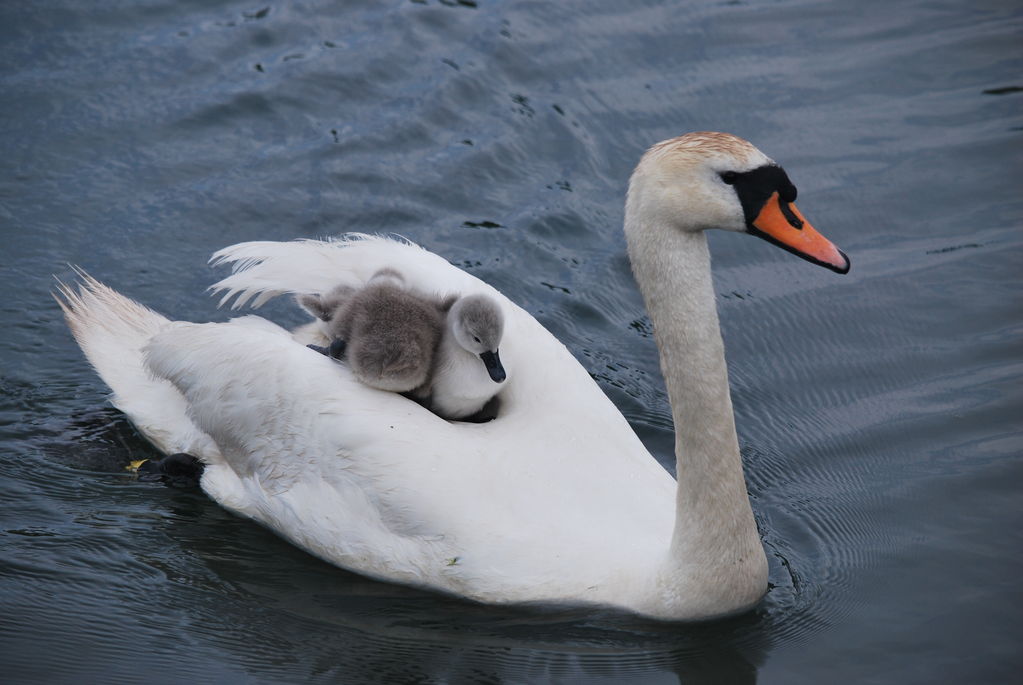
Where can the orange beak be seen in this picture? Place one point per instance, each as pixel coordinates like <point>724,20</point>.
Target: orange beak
<point>782,224</point>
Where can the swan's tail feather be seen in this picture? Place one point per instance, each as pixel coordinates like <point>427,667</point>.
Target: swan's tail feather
<point>262,270</point>
<point>107,325</point>
<point>112,331</point>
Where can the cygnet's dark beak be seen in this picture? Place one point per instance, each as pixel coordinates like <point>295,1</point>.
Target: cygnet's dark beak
<point>493,364</point>
<point>337,348</point>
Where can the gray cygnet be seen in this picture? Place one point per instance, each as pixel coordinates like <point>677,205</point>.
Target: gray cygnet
<point>388,333</point>
<point>397,339</point>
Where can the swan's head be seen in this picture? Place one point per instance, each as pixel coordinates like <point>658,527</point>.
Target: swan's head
<point>478,325</point>
<point>716,180</point>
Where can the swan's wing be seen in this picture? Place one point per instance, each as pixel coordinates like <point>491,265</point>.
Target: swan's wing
<point>265,269</point>
<point>112,329</point>
<point>302,443</point>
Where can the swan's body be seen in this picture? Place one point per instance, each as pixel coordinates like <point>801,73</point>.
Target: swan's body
<point>555,500</point>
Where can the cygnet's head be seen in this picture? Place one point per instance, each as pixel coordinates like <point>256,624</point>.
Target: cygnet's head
<point>478,324</point>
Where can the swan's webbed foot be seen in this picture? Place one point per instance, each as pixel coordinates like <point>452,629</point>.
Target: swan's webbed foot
<point>178,470</point>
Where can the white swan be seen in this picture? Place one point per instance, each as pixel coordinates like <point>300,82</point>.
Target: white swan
<point>554,501</point>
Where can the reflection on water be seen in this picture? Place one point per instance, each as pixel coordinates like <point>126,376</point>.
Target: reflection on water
<point>877,412</point>
<point>133,558</point>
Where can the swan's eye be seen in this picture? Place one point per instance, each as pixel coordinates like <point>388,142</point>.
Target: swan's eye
<point>729,177</point>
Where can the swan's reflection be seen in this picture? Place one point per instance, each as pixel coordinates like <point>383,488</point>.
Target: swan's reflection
<point>281,613</point>
<point>254,601</point>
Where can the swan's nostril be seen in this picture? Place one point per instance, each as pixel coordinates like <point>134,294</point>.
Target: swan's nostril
<point>786,210</point>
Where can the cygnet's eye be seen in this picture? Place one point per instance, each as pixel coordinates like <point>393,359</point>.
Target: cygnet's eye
<point>476,339</point>
<point>729,177</point>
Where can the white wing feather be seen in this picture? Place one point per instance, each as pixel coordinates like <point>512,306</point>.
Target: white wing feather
<point>263,269</point>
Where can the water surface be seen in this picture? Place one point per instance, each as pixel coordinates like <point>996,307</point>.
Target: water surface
<point>878,413</point>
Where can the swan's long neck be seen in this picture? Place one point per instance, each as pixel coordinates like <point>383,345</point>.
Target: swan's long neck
<point>715,540</point>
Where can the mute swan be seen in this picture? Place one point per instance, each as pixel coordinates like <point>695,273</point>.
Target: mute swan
<point>554,501</point>
<point>442,351</point>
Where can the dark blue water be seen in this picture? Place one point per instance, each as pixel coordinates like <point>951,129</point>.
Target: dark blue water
<point>879,413</point>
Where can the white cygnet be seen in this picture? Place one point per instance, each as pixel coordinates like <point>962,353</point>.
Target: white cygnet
<point>461,384</point>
